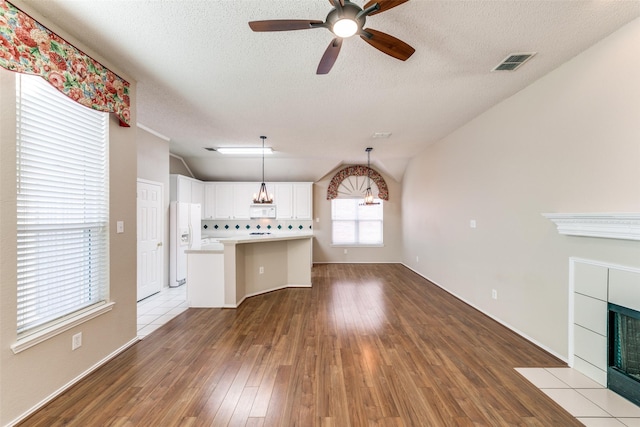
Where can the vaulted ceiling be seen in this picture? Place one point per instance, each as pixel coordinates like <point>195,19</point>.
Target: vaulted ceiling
<point>204,79</point>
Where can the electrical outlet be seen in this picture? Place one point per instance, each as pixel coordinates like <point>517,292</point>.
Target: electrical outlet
<point>494,294</point>
<point>76,341</point>
<point>417,259</point>
<point>261,270</point>
<point>345,251</point>
<point>472,223</point>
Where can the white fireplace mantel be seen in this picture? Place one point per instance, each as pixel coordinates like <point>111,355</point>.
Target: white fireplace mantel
<point>624,226</point>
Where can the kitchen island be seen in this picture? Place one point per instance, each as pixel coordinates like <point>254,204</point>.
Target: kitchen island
<point>226,272</point>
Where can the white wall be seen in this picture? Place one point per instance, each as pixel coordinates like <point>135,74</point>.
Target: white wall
<point>569,142</point>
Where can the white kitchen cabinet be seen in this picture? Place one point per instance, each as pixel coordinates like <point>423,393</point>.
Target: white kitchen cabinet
<point>243,198</point>
<point>209,205</point>
<point>233,199</point>
<point>180,188</point>
<point>185,189</point>
<point>197,192</point>
<point>302,200</point>
<point>283,199</point>
<point>224,200</point>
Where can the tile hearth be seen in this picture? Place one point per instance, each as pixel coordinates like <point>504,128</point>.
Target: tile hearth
<point>591,403</point>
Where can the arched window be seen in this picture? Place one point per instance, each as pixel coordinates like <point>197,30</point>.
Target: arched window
<point>348,181</point>
<point>352,222</point>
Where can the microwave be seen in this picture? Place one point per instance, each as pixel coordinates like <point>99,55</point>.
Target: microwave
<point>262,211</point>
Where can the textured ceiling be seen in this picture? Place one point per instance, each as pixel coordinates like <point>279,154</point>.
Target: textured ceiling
<point>206,80</point>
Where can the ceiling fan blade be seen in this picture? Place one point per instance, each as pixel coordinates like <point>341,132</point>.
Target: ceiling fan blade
<point>384,5</point>
<point>333,3</point>
<point>330,56</point>
<point>387,44</point>
<point>284,24</point>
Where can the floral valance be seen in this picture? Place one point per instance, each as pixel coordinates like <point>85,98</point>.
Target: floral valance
<point>28,47</point>
<point>332,191</point>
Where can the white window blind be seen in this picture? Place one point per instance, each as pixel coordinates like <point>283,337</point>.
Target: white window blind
<point>355,224</point>
<point>62,206</point>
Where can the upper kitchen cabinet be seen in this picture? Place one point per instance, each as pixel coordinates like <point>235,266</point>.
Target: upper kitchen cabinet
<point>293,200</point>
<point>243,193</point>
<point>185,189</point>
<point>228,200</point>
<point>232,200</point>
<point>283,199</point>
<point>302,200</point>
<point>209,205</point>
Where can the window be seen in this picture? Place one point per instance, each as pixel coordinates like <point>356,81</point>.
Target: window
<point>355,224</point>
<point>62,206</point>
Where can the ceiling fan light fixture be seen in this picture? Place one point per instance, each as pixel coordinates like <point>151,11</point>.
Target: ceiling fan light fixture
<point>345,27</point>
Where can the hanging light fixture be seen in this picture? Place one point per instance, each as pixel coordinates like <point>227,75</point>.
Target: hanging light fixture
<point>263,197</point>
<point>368,195</point>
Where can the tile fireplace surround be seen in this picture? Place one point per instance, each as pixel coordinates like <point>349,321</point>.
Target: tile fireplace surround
<point>593,284</point>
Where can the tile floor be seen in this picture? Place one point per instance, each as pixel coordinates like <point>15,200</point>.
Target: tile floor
<point>592,404</point>
<point>158,309</point>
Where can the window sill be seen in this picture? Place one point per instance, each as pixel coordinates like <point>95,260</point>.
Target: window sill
<point>43,335</point>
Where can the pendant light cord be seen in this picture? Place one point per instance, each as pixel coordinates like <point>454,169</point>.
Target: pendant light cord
<point>263,138</point>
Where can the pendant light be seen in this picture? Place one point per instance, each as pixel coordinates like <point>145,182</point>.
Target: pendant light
<point>368,195</point>
<point>263,197</point>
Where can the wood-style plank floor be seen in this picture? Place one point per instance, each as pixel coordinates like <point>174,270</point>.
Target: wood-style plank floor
<point>368,344</point>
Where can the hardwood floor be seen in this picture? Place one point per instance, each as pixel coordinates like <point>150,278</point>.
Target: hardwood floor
<point>368,344</point>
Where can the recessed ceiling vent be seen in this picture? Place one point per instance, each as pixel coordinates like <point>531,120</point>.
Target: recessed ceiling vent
<point>210,149</point>
<point>513,61</point>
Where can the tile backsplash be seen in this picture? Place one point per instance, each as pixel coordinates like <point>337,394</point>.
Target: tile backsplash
<point>227,228</point>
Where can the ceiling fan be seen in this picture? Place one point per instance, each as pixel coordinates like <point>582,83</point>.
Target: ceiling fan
<point>344,20</point>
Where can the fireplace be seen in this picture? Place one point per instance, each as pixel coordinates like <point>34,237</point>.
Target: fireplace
<point>623,371</point>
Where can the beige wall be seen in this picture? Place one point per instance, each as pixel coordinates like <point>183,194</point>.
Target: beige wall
<point>30,377</point>
<point>569,142</point>
<point>153,165</point>
<point>322,249</point>
<point>177,166</point>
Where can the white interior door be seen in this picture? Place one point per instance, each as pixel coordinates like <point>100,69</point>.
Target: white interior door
<point>150,238</point>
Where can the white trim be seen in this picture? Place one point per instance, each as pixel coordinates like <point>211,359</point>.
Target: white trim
<point>506,325</point>
<point>184,163</point>
<point>71,383</point>
<point>153,132</point>
<point>43,335</point>
<point>624,226</point>
<point>360,262</point>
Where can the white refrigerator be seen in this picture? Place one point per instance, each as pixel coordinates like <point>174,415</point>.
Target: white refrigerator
<point>184,233</point>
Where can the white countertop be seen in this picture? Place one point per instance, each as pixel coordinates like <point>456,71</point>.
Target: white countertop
<point>216,244</point>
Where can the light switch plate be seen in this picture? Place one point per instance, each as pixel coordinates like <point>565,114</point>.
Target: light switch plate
<point>120,227</point>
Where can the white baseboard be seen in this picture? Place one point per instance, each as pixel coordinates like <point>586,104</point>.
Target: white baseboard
<point>277,288</point>
<point>517,331</point>
<point>358,262</point>
<point>71,383</point>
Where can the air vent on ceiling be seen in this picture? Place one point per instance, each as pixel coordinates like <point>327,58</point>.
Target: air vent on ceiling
<point>513,61</point>
<point>209,148</point>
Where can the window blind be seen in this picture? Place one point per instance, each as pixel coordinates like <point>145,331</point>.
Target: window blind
<point>354,224</point>
<point>62,206</point>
